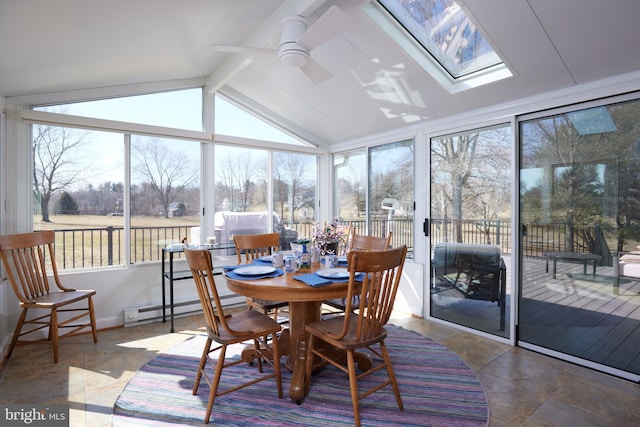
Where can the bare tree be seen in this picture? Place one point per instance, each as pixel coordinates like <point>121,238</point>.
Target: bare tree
<point>235,176</point>
<point>168,173</point>
<point>471,175</point>
<point>56,158</point>
<point>289,168</point>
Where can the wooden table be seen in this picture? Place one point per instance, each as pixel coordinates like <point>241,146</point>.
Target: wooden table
<point>304,307</point>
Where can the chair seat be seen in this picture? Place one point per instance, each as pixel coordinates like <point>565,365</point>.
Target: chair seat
<point>266,304</point>
<point>57,299</point>
<point>251,321</point>
<point>335,325</point>
<point>341,303</point>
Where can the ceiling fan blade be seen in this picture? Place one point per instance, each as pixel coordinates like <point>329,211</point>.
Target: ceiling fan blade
<point>242,49</point>
<point>329,25</point>
<point>316,72</point>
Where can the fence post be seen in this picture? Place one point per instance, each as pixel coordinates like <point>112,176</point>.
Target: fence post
<point>110,245</point>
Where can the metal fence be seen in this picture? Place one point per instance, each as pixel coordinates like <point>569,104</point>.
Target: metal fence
<point>101,247</point>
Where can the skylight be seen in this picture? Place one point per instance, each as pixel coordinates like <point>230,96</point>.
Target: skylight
<point>442,27</point>
<point>442,37</point>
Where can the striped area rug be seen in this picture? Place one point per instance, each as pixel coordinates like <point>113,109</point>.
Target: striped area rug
<point>437,388</point>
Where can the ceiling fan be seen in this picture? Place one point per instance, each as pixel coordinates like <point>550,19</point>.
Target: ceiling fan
<point>297,41</point>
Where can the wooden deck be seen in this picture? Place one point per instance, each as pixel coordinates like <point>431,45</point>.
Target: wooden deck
<point>576,313</point>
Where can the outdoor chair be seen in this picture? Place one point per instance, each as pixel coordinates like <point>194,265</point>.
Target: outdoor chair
<point>362,330</point>
<point>26,259</point>
<point>228,329</point>
<point>254,246</point>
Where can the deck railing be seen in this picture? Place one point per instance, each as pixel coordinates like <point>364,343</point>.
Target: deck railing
<point>102,247</point>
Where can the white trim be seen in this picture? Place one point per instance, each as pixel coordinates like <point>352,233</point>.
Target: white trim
<point>45,117</point>
<point>267,145</point>
<point>105,92</point>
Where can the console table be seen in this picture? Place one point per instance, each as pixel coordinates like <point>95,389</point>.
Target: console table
<point>170,275</point>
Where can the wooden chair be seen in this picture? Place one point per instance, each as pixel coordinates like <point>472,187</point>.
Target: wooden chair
<point>227,329</point>
<point>26,258</point>
<point>254,246</point>
<point>369,243</point>
<point>365,243</point>
<point>364,329</point>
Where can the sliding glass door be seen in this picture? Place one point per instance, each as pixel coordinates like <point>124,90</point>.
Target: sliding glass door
<point>471,185</point>
<point>580,231</point>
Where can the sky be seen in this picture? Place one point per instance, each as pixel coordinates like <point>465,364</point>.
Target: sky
<point>177,109</point>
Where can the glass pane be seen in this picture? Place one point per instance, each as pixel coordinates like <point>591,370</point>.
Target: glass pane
<point>446,32</point>
<point>78,190</point>
<point>580,221</point>
<point>470,228</point>
<point>391,193</point>
<point>165,195</point>
<point>295,179</point>
<point>234,121</point>
<point>180,109</point>
<point>350,191</point>
<point>241,192</point>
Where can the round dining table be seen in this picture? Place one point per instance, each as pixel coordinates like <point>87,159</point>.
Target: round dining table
<point>304,307</point>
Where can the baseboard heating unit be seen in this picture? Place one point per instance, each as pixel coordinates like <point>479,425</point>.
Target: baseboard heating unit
<point>150,314</point>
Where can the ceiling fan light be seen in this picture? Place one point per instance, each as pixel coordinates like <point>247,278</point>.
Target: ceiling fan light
<point>294,58</point>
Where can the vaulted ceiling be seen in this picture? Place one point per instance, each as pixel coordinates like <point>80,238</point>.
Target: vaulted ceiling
<point>65,45</point>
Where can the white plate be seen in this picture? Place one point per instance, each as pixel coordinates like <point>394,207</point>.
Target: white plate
<point>254,270</point>
<point>333,273</point>
<point>266,258</point>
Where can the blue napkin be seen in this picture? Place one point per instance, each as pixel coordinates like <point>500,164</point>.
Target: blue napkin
<point>233,275</point>
<point>313,279</point>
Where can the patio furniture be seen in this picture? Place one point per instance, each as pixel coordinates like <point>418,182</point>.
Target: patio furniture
<point>476,271</point>
<point>579,257</point>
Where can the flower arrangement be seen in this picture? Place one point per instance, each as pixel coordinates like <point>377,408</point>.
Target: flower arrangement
<point>326,238</point>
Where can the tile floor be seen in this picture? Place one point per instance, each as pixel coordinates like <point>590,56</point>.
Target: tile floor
<point>524,388</point>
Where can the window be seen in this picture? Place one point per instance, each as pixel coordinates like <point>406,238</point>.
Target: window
<point>350,193</point>
<point>164,194</point>
<point>243,185</point>
<point>443,38</point>
<point>80,180</point>
<point>390,190</point>
<point>373,191</point>
<point>180,109</point>
<point>233,120</point>
<point>77,190</point>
